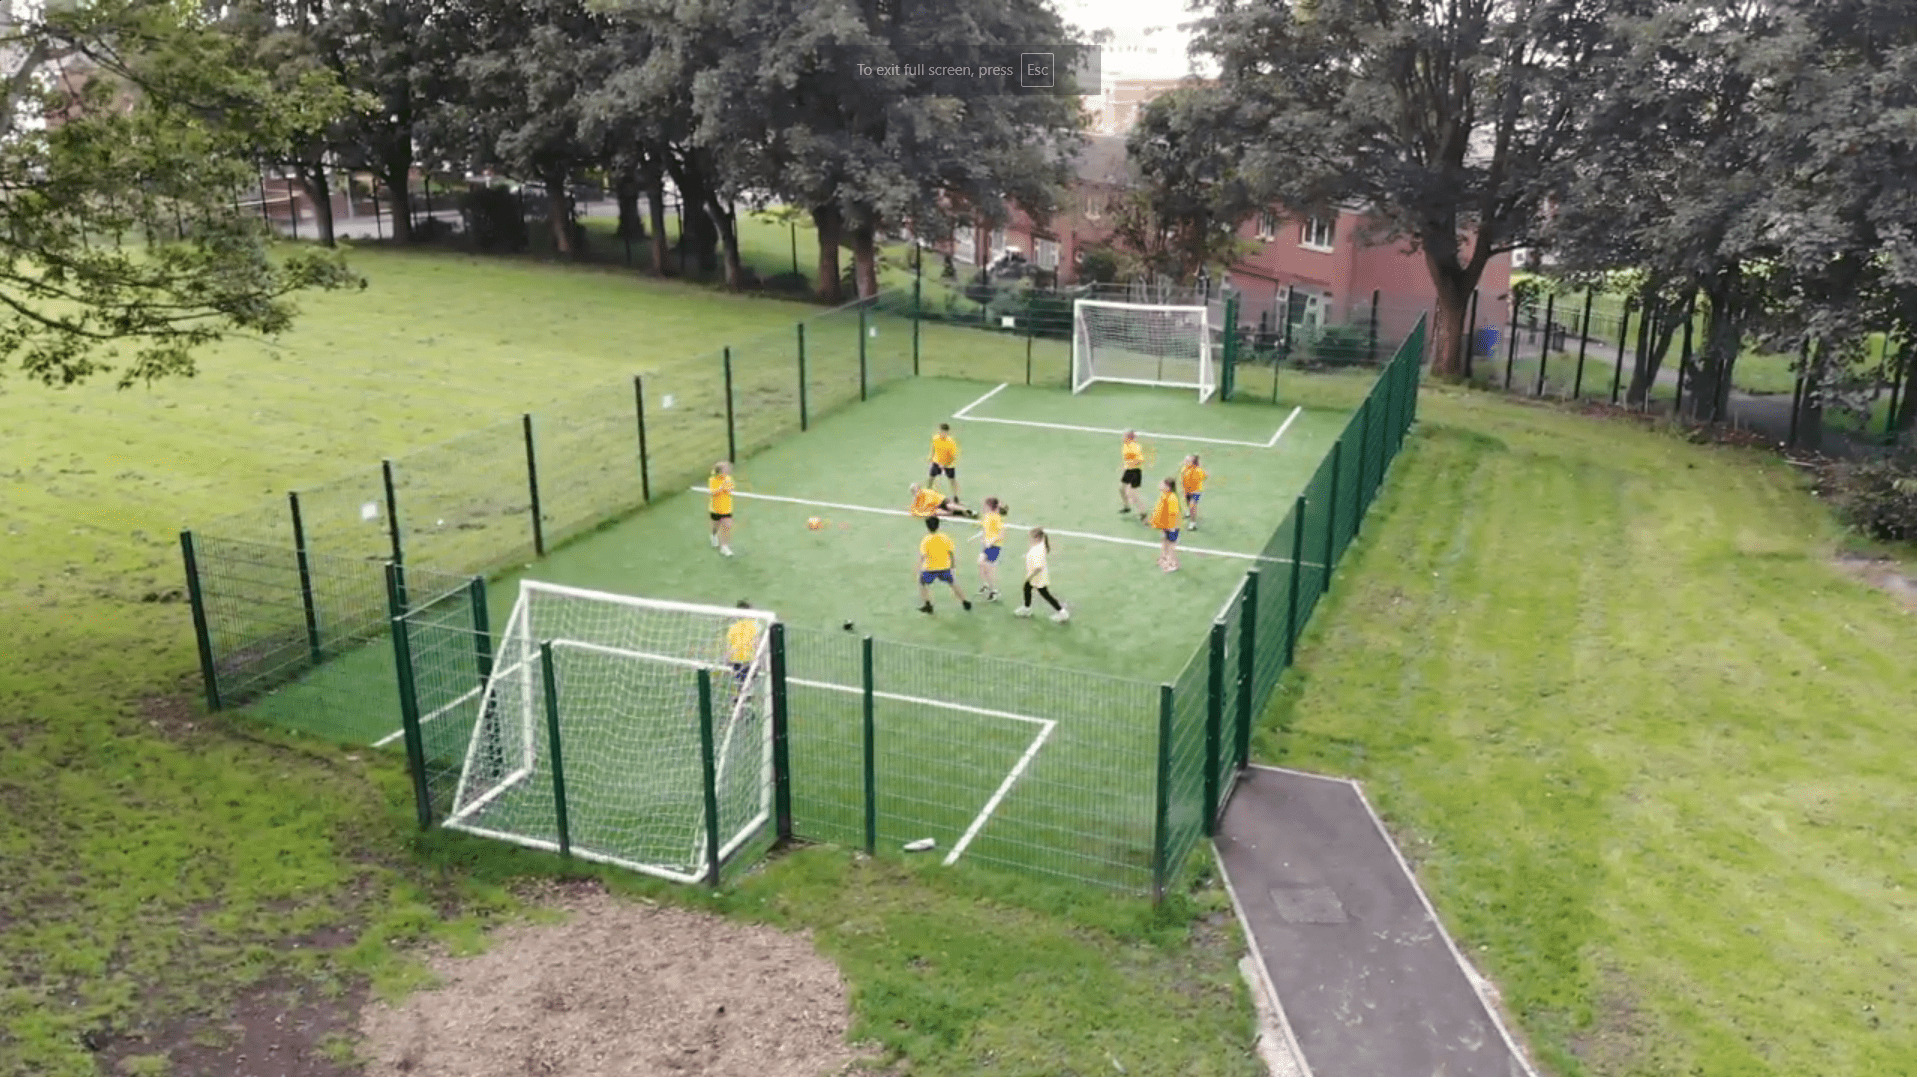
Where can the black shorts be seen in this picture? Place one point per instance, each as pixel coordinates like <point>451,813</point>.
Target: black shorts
<point>950,472</point>
<point>717,516</point>
<point>1133,477</point>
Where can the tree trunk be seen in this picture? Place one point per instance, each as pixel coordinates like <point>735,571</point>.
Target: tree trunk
<point>726,224</point>
<point>1810,405</point>
<point>319,190</point>
<point>700,238</point>
<point>559,215</point>
<point>1906,417</point>
<point>830,225</point>
<point>865,260</point>
<point>627,191</point>
<point>1454,286</point>
<point>397,176</point>
<point>655,185</point>
<point>1654,340</point>
<point>1708,395</point>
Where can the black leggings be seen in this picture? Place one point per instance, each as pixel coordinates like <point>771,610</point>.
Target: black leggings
<point>1045,591</point>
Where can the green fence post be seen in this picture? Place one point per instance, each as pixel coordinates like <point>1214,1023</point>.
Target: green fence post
<point>639,410</point>
<point>1511,346</point>
<point>1028,355</point>
<point>532,486</point>
<point>805,417</point>
<point>408,693</point>
<point>863,390</point>
<point>732,437</point>
<point>709,775</point>
<point>1584,341</point>
<point>1161,808</point>
<point>1297,570</point>
<point>870,749</point>
<point>1331,510</point>
<point>1617,368</point>
<point>1247,667</point>
<point>1363,489</point>
<point>551,679</point>
<point>781,750</point>
<point>306,577</point>
<point>1228,360</point>
<point>201,636</point>
<point>1550,333</point>
<point>1214,723</point>
<point>1373,353</point>
<point>918,285</point>
<point>392,511</point>
<point>482,628</point>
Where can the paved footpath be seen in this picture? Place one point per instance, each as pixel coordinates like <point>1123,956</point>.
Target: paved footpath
<point>1369,982</point>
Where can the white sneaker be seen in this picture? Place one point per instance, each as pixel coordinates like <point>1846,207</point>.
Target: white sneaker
<point>1062,616</point>
<point>714,538</point>
<point>1022,611</point>
<point>727,550</point>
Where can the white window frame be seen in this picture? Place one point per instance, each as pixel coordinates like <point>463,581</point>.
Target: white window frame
<point>1267,224</point>
<point>1045,252</point>
<point>1310,229</point>
<point>1094,207</point>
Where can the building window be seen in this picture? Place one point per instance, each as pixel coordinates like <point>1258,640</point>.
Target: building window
<point>1094,206</point>
<point>1047,253</point>
<point>1267,224</point>
<point>998,240</point>
<point>1317,233</point>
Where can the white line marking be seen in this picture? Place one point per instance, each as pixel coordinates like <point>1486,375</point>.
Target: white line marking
<point>1289,419</point>
<point>960,413</point>
<point>1003,788</point>
<point>1050,530</point>
<point>853,689</point>
<point>398,733</point>
<point>1264,973</point>
<point>1114,431</point>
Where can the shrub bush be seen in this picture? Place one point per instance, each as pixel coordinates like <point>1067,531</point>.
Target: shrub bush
<point>1877,497</point>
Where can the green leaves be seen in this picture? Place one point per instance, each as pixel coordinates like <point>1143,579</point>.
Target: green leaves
<point>121,244</point>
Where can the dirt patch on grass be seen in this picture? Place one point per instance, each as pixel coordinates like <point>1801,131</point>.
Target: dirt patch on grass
<point>1885,575</point>
<point>279,1027</point>
<point>622,987</point>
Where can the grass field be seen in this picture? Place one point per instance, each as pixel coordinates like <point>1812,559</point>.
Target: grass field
<point>163,869</point>
<point>1643,739</point>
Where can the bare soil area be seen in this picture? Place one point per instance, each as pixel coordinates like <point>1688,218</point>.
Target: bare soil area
<point>621,987</point>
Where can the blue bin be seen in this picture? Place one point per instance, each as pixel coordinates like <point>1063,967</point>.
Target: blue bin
<point>1488,340</point>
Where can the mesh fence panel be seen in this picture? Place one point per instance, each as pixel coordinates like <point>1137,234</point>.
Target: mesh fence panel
<point>764,392</point>
<point>465,504</point>
<point>1185,775</point>
<point>825,735</point>
<point>685,427</point>
<point>452,647</point>
<point>1227,761</point>
<point>346,517</point>
<point>889,340</point>
<point>588,451</point>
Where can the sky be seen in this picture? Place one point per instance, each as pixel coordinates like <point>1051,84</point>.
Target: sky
<point>1147,42</point>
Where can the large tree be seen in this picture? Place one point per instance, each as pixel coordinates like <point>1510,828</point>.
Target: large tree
<point>1453,122</point>
<point>842,108</point>
<point>128,131</point>
<point>1186,196</point>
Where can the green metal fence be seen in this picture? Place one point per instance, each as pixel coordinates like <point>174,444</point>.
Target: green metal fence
<point>1117,780</point>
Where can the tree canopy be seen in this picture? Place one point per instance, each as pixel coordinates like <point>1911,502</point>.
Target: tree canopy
<point>123,249</point>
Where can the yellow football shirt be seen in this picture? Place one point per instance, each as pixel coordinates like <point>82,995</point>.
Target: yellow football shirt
<point>994,526</point>
<point>937,551</point>
<point>720,496</point>
<point>1165,513</point>
<point>944,450</point>
<point>925,501</point>
<point>1134,454</point>
<point>1193,479</point>
<point>740,639</point>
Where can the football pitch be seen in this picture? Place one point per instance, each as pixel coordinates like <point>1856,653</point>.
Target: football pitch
<point>1015,740</point>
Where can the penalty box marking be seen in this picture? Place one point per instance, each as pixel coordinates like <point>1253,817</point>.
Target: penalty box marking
<point>963,415</point>
<point>1046,725</point>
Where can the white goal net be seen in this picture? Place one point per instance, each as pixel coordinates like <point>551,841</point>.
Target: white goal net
<point>630,763</point>
<point>1142,344</point>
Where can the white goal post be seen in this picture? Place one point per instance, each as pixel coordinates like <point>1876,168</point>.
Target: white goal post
<point>591,735</point>
<point>1142,344</point>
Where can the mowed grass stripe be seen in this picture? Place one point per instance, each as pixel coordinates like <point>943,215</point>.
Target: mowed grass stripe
<point>1640,739</point>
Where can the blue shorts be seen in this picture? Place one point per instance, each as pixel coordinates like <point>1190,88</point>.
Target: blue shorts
<point>936,575</point>
<point>1192,499</point>
<point>1172,535</point>
<point>991,554</point>
<point>739,670</point>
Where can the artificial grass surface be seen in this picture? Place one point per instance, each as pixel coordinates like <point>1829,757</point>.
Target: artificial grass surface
<point>1642,739</point>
